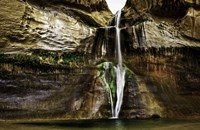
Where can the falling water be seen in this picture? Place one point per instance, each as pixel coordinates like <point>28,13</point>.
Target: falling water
<point>111,102</point>
<point>119,69</point>
<point>109,89</point>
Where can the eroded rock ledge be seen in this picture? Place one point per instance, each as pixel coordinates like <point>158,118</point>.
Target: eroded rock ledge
<point>51,53</point>
<point>184,14</point>
<point>94,13</point>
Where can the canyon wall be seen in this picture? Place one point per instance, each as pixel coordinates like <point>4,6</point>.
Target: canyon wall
<point>51,55</point>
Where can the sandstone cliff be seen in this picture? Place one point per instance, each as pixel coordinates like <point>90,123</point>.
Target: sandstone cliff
<point>51,55</point>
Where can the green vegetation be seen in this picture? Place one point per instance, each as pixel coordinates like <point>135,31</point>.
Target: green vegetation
<point>59,58</point>
<point>20,59</point>
<point>26,60</point>
<point>106,72</point>
<point>43,57</point>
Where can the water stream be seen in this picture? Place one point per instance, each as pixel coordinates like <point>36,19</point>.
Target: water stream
<point>116,96</point>
<point>119,69</point>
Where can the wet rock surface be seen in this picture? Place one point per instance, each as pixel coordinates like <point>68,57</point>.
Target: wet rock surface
<point>50,49</point>
<point>32,93</point>
<point>166,83</point>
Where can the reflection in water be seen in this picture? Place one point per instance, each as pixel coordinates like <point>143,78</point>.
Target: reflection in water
<point>119,125</point>
<point>104,125</point>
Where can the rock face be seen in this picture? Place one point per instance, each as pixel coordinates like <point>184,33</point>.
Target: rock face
<point>190,24</point>
<point>166,83</point>
<point>41,58</point>
<point>54,25</point>
<point>10,21</point>
<point>94,12</point>
<point>186,16</point>
<point>51,53</point>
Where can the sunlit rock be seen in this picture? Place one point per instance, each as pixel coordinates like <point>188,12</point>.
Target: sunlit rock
<point>195,3</point>
<point>42,25</point>
<point>190,24</point>
<point>95,12</point>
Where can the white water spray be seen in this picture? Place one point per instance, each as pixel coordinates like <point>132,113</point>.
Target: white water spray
<point>119,69</point>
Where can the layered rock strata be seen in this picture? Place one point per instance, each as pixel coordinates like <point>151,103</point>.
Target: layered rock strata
<point>51,53</point>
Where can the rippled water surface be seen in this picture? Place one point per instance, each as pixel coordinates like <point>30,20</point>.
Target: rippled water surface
<point>104,125</point>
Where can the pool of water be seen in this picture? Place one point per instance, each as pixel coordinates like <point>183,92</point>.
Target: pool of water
<point>103,125</point>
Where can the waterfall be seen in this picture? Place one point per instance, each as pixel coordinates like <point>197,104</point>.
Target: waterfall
<point>114,75</point>
<point>111,102</point>
<point>119,69</point>
<point>109,89</point>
